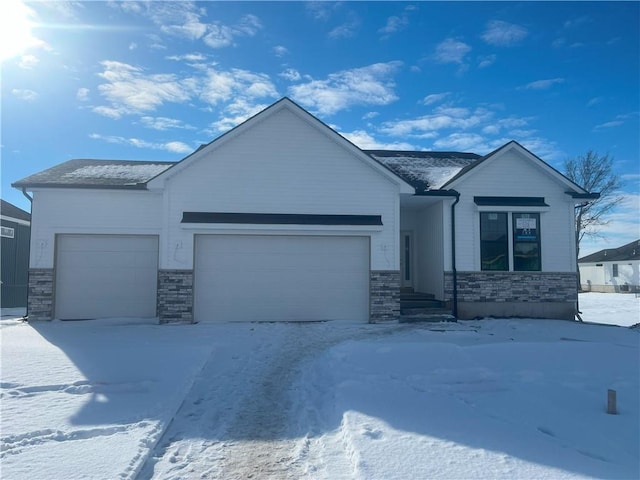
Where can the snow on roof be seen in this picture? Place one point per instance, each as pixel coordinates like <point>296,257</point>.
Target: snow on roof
<point>96,173</point>
<point>425,170</point>
<point>129,173</point>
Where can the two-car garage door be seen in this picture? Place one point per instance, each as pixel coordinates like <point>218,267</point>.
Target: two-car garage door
<point>236,277</point>
<point>280,277</point>
<point>100,276</point>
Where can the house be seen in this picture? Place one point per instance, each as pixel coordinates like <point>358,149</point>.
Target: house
<point>612,269</point>
<point>282,218</point>
<point>14,265</point>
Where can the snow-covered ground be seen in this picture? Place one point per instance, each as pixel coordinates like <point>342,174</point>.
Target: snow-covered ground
<point>478,399</point>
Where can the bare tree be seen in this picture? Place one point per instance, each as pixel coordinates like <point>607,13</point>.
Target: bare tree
<point>594,173</point>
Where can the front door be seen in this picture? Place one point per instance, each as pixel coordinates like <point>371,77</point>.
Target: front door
<point>406,259</point>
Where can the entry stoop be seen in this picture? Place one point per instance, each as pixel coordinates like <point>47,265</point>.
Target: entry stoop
<point>423,307</point>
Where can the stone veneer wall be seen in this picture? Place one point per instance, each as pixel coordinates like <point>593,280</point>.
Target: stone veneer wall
<point>384,294</point>
<point>175,296</point>
<point>515,288</point>
<point>40,300</point>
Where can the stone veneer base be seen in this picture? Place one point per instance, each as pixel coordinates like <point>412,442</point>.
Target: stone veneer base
<point>384,295</point>
<point>514,294</point>
<point>175,296</point>
<point>40,300</point>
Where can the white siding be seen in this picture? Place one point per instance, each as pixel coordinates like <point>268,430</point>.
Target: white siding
<point>602,275</point>
<point>513,175</point>
<point>283,164</point>
<point>89,211</point>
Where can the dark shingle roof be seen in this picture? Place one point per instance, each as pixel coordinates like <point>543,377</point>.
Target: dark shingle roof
<point>83,173</point>
<point>424,170</point>
<point>9,210</point>
<point>630,251</point>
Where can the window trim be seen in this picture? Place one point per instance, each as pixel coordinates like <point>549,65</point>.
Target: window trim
<point>510,235</point>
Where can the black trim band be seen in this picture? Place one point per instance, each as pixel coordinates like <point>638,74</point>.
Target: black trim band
<point>510,201</point>
<point>280,218</point>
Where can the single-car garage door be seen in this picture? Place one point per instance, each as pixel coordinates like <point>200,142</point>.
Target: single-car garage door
<point>281,278</point>
<point>99,276</point>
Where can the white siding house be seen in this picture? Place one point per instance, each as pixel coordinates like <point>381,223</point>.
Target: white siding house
<point>612,269</point>
<point>281,218</point>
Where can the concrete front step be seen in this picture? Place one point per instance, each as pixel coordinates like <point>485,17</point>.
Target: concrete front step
<point>427,317</point>
<point>422,303</point>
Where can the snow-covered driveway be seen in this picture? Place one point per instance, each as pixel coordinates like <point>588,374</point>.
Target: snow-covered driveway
<point>237,421</point>
<point>325,401</point>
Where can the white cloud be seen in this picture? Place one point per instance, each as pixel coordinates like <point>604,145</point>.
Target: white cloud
<point>82,94</point>
<point>290,74</point>
<point>130,91</point>
<point>321,10</point>
<point>543,84</point>
<point>220,36</point>
<point>236,113</point>
<point>594,101</point>
<point>280,51</point>
<point>25,94</point>
<point>503,34</point>
<point>133,46</point>
<point>486,61</point>
<point>371,85</point>
<point>394,24</point>
<point>370,115</point>
<point>346,30</point>
<point>623,226</point>
<point>435,98</point>
<point>173,146</point>
<point>189,57</point>
<point>365,141</point>
<point>164,123</point>
<point>426,126</point>
<point>451,51</point>
<point>222,86</point>
<point>611,124</point>
<point>28,62</point>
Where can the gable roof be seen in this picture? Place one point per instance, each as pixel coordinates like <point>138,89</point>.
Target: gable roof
<point>11,211</point>
<point>291,106</point>
<point>630,251</point>
<point>513,145</point>
<point>85,173</point>
<point>424,170</point>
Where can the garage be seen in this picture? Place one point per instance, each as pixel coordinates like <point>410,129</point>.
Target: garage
<point>99,276</point>
<point>281,278</point>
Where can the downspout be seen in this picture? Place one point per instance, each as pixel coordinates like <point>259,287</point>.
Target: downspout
<point>24,192</point>
<point>453,253</point>
<point>578,285</point>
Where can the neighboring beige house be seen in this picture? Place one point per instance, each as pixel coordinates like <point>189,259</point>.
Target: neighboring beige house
<point>612,269</point>
<point>282,218</point>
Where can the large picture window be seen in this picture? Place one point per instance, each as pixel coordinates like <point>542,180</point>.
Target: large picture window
<point>519,253</point>
<point>526,241</point>
<point>494,241</point>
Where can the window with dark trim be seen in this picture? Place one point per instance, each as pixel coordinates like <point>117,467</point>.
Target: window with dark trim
<point>526,242</point>
<point>494,241</point>
<point>615,269</point>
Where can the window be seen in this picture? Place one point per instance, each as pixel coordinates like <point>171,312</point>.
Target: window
<point>499,252</point>
<point>7,232</point>
<point>494,241</point>
<point>526,242</point>
<point>615,270</point>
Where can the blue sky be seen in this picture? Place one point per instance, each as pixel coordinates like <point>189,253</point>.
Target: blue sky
<point>152,80</point>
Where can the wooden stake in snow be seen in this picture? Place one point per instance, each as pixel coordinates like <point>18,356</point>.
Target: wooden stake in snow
<point>611,402</point>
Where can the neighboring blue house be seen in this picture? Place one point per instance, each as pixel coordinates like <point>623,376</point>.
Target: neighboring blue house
<point>16,227</point>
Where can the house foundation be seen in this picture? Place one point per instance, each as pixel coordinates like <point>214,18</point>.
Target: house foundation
<point>514,294</point>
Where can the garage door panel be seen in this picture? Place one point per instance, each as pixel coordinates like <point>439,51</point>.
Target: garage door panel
<point>100,276</point>
<point>241,278</point>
